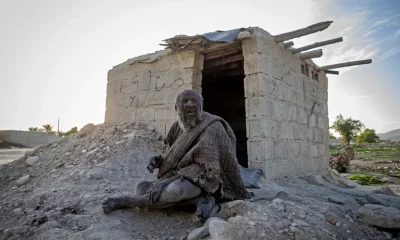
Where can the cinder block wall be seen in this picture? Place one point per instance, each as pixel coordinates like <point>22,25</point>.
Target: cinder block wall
<point>146,92</point>
<point>286,111</point>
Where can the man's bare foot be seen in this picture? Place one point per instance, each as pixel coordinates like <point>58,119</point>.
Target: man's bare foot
<point>205,208</point>
<point>109,204</point>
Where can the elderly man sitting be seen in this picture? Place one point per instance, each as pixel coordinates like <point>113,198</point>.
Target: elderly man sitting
<point>198,166</point>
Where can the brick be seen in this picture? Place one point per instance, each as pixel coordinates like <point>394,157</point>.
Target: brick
<point>143,81</point>
<point>294,149</point>
<point>313,122</point>
<point>281,149</point>
<point>263,128</point>
<point>305,149</point>
<point>261,150</point>
<point>111,115</point>
<point>259,84</point>
<point>287,130</point>
<point>259,165</point>
<point>165,114</point>
<point>129,101</point>
<point>259,107</point>
<point>127,115</point>
<point>314,150</point>
<point>145,114</point>
<point>292,112</point>
<point>301,116</point>
<point>318,135</point>
<point>281,109</point>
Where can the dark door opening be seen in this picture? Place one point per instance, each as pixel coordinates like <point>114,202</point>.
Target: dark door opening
<point>223,93</point>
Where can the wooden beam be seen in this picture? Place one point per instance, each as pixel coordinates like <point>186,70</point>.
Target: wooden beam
<point>346,64</point>
<point>238,64</point>
<point>302,32</point>
<point>311,54</point>
<point>317,44</point>
<point>222,52</point>
<point>223,60</point>
<point>287,44</point>
<point>225,73</point>
<point>331,72</point>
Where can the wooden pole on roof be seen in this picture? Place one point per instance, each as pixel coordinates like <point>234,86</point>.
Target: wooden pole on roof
<point>287,44</point>
<point>331,72</point>
<point>311,54</point>
<point>303,31</point>
<point>346,64</point>
<point>317,44</point>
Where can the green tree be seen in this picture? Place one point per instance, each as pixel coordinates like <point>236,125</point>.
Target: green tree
<point>347,128</point>
<point>331,136</point>
<point>33,129</point>
<point>367,136</point>
<point>48,128</point>
<point>71,131</point>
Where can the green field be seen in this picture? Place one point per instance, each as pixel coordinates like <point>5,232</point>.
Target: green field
<point>372,152</point>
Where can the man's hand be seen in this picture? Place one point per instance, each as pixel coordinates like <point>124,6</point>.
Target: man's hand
<point>154,162</point>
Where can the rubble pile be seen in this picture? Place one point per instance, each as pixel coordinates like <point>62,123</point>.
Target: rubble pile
<point>55,192</point>
<point>340,160</point>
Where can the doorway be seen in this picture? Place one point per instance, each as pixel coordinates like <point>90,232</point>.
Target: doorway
<point>223,92</point>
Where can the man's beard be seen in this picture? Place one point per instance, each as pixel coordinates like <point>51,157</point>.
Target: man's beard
<point>189,121</point>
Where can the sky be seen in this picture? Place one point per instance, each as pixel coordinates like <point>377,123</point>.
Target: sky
<point>55,55</point>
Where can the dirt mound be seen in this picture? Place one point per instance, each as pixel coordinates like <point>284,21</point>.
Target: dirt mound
<point>63,193</point>
<point>55,192</point>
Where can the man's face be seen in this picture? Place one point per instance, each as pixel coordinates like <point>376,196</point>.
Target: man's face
<point>189,108</point>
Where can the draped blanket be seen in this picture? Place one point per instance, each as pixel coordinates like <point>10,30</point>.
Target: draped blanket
<point>206,156</point>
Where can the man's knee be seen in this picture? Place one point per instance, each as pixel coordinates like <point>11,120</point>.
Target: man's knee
<point>143,187</point>
<point>179,190</point>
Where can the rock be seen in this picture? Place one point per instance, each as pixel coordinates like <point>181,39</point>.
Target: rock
<point>198,233</point>
<point>374,200</point>
<point>361,201</point>
<point>92,146</point>
<point>335,200</point>
<point>300,223</point>
<point>221,230</point>
<point>385,191</point>
<point>32,160</point>
<point>17,211</point>
<point>338,224</point>
<point>151,128</point>
<point>380,216</point>
<point>293,229</point>
<point>130,135</point>
<point>232,208</point>
<point>110,131</point>
<point>92,152</point>
<point>302,214</point>
<point>331,221</point>
<point>86,130</point>
<point>23,180</point>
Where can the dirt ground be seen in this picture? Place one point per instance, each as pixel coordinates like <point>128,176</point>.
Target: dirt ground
<point>381,160</point>
<point>61,198</point>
